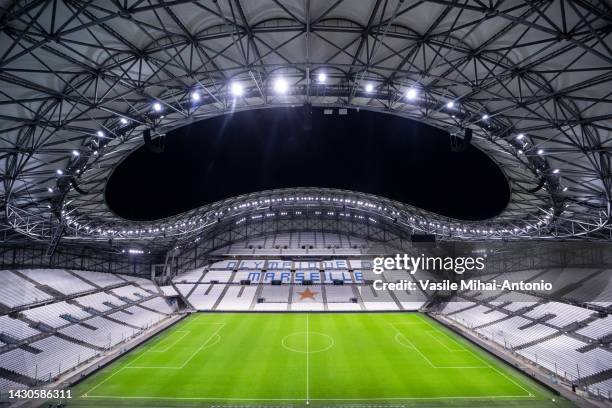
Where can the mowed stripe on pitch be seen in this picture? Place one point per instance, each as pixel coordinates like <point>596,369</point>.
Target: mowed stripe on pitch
<point>240,357</point>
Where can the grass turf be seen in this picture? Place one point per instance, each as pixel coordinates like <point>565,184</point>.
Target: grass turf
<point>325,359</point>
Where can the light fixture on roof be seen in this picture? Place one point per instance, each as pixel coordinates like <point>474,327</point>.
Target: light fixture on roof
<point>236,89</point>
<point>195,96</point>
<point>411,93</point>
<point>123,121</point>
<point>157,107</point>
<point>322,77</point>
<point>485,117</point>
<point>369,88</point>
<point>100,133</point>
<point>450,104</point>
<point>520,136</point>
<point>75,153</point>
<point>281,86</point>
<point>540,152</point>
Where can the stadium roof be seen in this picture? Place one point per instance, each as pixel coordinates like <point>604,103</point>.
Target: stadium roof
<point>80,81</point>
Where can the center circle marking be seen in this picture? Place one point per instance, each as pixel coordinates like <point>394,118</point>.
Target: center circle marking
<point>317,342</point>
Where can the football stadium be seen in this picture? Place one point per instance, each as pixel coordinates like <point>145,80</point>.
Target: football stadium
<point>295,203</point>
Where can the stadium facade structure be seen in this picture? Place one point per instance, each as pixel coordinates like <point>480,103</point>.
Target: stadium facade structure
<point>81,82</point>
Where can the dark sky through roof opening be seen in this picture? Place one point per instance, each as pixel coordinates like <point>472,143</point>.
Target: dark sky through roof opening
<point>256,150</point>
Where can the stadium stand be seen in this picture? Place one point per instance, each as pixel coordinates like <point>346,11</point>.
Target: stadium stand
<point>82,313</point>
<point>56,314</point>
<point>15,329</point>
<point>597,329</point>
<point>561,314</point>
<point>54,357</point>
<point>205,295</point>
<point>16,291</point>
<point>238,298</point>
<point>560,356</point>
<point>566,339</point>
<point>102,280</point>
<point>58,279</point>
<point>100,301</point>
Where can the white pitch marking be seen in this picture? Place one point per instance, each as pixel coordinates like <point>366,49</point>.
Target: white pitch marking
<point>429,333</point>
<point>217,339</point>
<point>105,380</point>
<point>173,344</point>
<point>413,346</point>
<point>488,365</point>
<point>332,342</point>
<point>313,399</point>
<point>307,362</point>
<point>410,346</point>
<point>204,344</point>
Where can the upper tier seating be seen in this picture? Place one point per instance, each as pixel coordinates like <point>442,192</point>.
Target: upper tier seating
<point>59,280</point>
<point>456,305</point>
<point>184,288</point>
<point>158,304</point>
<point>301,243</point>
<point>564,314</point>
<point>137,316</point>
<point>145,284</point>
<point>508,332</point>
<point>99,301</point>
<point>168,290</point>
<point>106,334</point>
<point>517,301</point>
<point>477,316</point>
<point>51,314</point>
<point>192,276</point>
<point>131,292</point>
<point>16,291</point>
<point>15,328</point>
<point>596,290</point>
<point>598,329</point>
<point>219,276</point>
<point>103,280</point>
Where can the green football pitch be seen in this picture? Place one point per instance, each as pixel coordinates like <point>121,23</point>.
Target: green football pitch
<point>325,359</point>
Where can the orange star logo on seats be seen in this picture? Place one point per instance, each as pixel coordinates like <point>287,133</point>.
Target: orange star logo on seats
<point>307,294</point>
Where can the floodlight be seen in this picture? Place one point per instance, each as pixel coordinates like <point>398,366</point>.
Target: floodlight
<point>281,86</point>
<point>411,93</point>
<point>236,89</point>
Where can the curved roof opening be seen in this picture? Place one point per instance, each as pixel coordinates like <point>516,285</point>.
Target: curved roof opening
<point>257,150</point>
